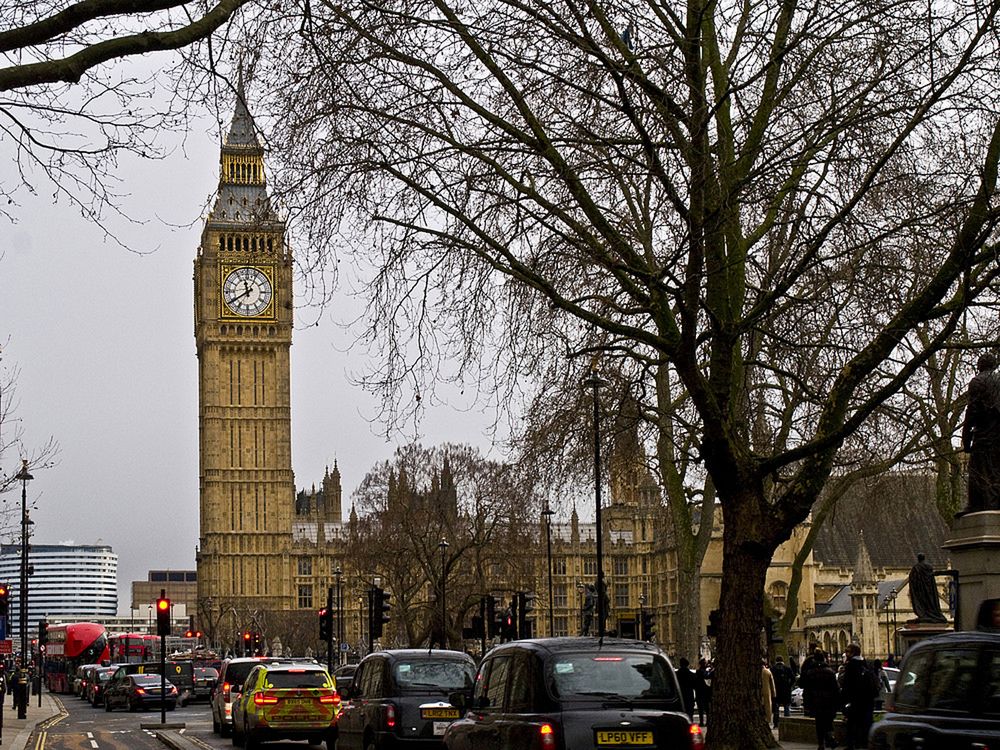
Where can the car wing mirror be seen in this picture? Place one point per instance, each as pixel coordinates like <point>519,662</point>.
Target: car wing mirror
<point>345,693</point>
<point>458,699</point>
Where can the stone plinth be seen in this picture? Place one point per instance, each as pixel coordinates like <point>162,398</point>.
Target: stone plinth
<point>974,546</point>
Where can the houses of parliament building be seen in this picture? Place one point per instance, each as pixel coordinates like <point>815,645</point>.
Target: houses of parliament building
<point>268,554</point>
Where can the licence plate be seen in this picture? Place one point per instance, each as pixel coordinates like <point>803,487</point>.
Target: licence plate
<point>438,713</point>
<point>623,738</point>
<point>440,727</point>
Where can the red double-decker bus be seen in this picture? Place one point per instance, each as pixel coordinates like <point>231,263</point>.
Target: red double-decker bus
<point>133,648</point>
<point>67,647</point>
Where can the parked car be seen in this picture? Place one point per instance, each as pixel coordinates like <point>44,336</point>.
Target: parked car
<point>97,683</point>
<point>573,694</point>
<point>204,680</point>
<point>399,698</point>
<point>232,674</point>
<point>80,680</point>
<point>286,702</point>
<point>946,697</point>
<point>140,691</point>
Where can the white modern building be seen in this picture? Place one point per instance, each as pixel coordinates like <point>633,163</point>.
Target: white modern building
<point>67,582</point>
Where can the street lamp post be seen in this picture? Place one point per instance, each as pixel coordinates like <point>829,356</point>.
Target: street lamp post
<point>594,382</point>
<point>22,594</point>
<point>548,512</point>
<point>338,573</point>
<point>443,546</point>
<point>893,593</point>
<point>642,616</point>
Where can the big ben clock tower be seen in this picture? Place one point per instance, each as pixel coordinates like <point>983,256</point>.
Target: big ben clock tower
<point>243,332</point>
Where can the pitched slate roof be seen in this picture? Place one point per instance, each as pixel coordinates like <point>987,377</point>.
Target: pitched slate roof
<point>898,516</point>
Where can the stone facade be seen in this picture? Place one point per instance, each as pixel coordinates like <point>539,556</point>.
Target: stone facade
<point>243,332</point>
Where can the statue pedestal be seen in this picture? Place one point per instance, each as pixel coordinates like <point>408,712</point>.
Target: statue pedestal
<point>974,547</point>
<point>914,632</point>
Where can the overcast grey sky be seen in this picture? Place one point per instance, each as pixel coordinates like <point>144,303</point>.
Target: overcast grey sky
<point>104,341</point>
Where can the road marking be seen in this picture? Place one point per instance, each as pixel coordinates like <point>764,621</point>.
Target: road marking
<point>90,735</point>
<point>93,743</point>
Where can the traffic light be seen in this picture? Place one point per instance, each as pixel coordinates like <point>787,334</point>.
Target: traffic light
<point>325,624</point>
<point>648,631</point>
<point>492,620</point>
<point>380,611</point>
<point>163,616</point>
<point>43,631</point>
<point>525,605</point>
<point>4,600</point>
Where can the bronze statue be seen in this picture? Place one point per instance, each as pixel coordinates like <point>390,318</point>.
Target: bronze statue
<point>981,437</point>
<point>924,593</point>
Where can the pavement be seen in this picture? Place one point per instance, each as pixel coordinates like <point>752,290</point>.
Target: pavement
<point>16,732</point>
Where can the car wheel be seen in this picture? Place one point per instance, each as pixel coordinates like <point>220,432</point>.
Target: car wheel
<point>107,704</point>
<point>216,726</point>
<point>131,705</point>
<point>252,741</point>
<point>171,706</point>
<point>370,744</point>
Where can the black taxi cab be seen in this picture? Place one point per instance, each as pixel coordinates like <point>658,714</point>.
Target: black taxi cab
<point>574,694</point>
<point>947,694</point>
<point>399,699</point>
<point>286,702</point>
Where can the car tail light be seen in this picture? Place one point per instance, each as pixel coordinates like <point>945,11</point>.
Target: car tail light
<point>390,716</point>
<point>548,736</point>
<point>173,691</point>
<point>262,699</point>
<point>226,690</point>
<point>697,738</point>
<point>140,691</point>
<point>331,698</point>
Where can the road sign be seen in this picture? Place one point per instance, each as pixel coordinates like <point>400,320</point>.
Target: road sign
<point>7,647</point>
<point>345,646</point>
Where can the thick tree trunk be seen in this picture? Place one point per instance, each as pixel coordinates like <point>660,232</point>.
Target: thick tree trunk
<point>688,625</point>
<point>738,667</point>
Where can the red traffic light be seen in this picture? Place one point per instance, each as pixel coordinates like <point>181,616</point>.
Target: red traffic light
<point>189,634</point>
<point>246,636</point>
<point>3,591</point>
<point>163,604</point>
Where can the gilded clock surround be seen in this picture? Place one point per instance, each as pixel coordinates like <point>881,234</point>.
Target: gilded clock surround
<point>225,311</point>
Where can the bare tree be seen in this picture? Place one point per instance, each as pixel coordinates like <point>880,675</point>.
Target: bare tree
<point>424,496</point>
<point>726,190</point>
<point>13,450</point>
<point>66,116</point>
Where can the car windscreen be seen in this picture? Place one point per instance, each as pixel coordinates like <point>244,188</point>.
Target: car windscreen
<point>435,674</point>
<point>104,675</point>
<point>609,675</point>
<point>206,673</point>
<point>292,678</point>
<point>148,679</point>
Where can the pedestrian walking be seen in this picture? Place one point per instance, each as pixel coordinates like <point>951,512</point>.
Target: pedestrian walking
<point>686,683</point>
<point>784,680</point>
<point>858,694</point>
<point>703,689</point>
<point>767,692</point>
<point>819,688</point>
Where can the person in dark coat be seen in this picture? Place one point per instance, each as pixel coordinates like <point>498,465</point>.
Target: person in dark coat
<point>703,689</point>
<point>858,699</point>
<point>784,680</point>
<point>819,687</point>
<point>686,682</point>
<point>807,666</point>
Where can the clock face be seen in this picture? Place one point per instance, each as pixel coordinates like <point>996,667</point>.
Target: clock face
<point>247,291</point>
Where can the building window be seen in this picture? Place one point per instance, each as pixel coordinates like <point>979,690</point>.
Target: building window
<point>559,566</point>
<point>561,626</point>
<point>621,566</point>
<point>590,566</point>
<point>305,596</point>
<point>559,596</point>
<point>306,567</point>
<point>645,564</point>
<point>621,596</point>
<point>779,595</point>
